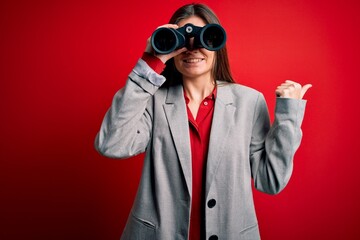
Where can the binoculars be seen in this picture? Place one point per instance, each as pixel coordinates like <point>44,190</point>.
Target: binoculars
<point>211,36</point>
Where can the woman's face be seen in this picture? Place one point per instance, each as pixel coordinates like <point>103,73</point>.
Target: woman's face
<point>196,62</point>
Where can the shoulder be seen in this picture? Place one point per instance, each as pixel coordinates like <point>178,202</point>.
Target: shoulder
<point>169,94</point>
<point>237,88</point>
<point>237,92</point>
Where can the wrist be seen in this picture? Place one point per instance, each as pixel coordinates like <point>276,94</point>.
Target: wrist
<point>154,62</point>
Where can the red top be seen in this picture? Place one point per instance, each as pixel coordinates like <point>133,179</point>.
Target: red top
<point>199,140</point>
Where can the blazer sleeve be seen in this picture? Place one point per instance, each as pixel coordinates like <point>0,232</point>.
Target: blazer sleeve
<point>272,148</point>
<point>127,125</point>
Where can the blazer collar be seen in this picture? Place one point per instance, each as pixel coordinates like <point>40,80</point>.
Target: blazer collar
<point>224,93</point>
<point>223,120</point>
<point>176,114</point>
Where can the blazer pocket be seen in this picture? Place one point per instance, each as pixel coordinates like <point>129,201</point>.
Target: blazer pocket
<point>250,233</point>
<point>139,229</point>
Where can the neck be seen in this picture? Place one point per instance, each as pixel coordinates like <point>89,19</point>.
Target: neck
<point>198,88</point>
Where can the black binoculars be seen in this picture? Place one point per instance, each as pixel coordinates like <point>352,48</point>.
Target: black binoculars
<point>211,36</point>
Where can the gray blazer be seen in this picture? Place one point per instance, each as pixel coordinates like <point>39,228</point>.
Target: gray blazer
<point>243,146</point>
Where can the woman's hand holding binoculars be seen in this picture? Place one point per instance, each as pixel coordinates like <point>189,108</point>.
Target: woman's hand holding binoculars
<point>164,57</point>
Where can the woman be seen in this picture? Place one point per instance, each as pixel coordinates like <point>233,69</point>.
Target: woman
<point>205,138</point>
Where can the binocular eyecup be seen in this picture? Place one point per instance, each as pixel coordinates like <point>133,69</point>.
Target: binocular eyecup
<point>211,37</point>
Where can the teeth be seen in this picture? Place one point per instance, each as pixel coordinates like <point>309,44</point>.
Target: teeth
<point>193,60</point>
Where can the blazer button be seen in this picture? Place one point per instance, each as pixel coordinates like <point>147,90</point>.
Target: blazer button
<point>213,237</point>
<point>211,203</point>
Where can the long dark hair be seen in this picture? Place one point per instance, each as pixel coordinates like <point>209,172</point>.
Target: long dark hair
<point>221,70</point>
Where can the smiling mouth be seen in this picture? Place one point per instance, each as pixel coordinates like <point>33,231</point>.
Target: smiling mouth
<point>193,60</point>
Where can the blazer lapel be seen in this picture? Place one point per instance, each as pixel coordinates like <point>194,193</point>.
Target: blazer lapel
<point>223,120</point>
<point>176,114</point>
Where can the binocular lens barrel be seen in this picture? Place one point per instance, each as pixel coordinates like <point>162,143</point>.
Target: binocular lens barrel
<point>164,40</point>
<point>211,36</point>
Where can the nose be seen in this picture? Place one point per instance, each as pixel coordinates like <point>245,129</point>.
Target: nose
<point>190,44</point>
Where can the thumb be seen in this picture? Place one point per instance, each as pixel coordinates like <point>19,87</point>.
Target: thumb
<point>304,89</point>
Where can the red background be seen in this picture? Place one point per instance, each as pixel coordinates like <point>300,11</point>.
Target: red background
<point>62,61</point>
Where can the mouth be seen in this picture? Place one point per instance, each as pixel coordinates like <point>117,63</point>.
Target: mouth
<point>193,60</point>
